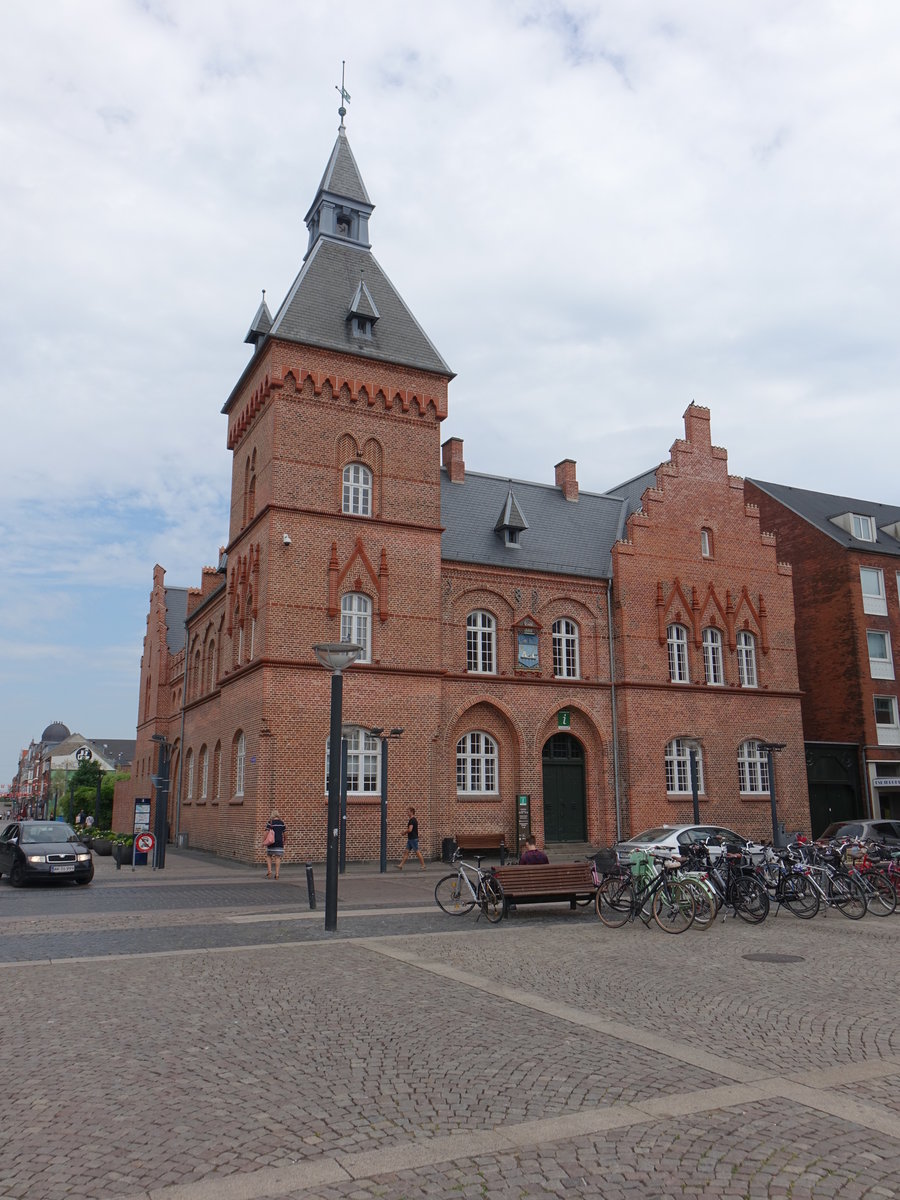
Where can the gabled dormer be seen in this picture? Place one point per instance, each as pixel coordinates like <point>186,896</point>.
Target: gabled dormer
<point>363,312</point>
<point>260,325</point>
<point>511,522</point>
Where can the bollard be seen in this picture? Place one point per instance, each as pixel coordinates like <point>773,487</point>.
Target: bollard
<point>310,886</point>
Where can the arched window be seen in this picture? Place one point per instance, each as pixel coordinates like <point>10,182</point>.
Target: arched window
<point>189,776</point>
<point>204,772</point>
<point>237,638</point>
<point>356,623</point>
<point>712,657</point>
<point>481,632</point>
<point>252,631</point>
<point>217,772</point>
<point>565,649</point>
<point>746,656</point>
<point>198,674</point>
<point>706,542</point>
<point>476,763</point>
<point>678,766</point>
<point>753,768</point>
<point>240,756</point>
<point>363,762</point>
<point>677,640</point>
<point>211,665</point>
<point>357,490</point>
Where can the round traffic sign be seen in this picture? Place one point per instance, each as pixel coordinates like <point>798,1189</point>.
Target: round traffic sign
<point>144,842</point>
<point>83,754</point>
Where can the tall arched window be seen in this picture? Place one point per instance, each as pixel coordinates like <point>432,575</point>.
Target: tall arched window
<point>753,768</point>
<point>746,656</point>
<point>678,766</point>
<point>204,772</point>
<point>356,623</point>
<point>252,634</point>
<point>481,632</point>
<point>240,756</point>
<point>211,665</point>
<point>217,772</point>
<point>363,762</point>
<point>677,641</point>
<point>357,490</point>
<point>476,763</point>
<point>565,649</point>
<point>712,657</point>
<point>189,775</point>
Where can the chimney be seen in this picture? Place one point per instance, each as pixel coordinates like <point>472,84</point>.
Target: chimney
<point>452,459</point>
<point>696,425</point>
<point>565,478</point>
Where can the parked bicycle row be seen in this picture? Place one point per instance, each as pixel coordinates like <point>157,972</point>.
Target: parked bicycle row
<point>691,888</point>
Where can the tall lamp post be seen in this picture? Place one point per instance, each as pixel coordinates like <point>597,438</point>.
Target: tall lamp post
<point>336,657</point>
<point>695,782</point>
<point>770,749</point>
<point>160,782</point>
<point>380,733</point>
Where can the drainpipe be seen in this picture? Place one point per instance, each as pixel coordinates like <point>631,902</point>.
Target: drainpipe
<point>614,704</point>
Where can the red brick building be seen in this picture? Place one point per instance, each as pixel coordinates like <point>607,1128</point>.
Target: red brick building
<point>530,640</point>
<point>845,555</point>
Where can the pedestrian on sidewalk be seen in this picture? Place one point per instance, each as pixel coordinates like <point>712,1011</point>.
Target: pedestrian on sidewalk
<point>412,840</point>
<point>274,843</point>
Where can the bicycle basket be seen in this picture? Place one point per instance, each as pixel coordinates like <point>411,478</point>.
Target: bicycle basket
<point>607,861</point>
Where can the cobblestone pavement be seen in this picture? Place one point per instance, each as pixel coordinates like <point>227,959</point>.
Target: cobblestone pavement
<point>233,1051</point>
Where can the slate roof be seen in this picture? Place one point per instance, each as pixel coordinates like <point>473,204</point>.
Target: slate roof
<point>818,507</point>
<point>176,615</point>
<point>562,537</point>
<point>341,176</point>
<point>632,489</point>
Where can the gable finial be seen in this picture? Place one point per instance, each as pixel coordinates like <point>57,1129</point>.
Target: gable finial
<point>345,95</point>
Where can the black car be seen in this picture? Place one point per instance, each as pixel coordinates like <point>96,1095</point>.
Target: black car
<point>43,850</point>
<point>867,831</point>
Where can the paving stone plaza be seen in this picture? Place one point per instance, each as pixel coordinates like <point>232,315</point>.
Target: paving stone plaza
<point>194,1034</point>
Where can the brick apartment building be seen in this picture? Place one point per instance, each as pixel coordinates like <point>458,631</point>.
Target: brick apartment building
<point>529,639</point>
<point>845,555</point>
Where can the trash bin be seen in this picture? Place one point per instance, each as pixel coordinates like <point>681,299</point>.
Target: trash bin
<point>182,841</point>
<point>448,849</point>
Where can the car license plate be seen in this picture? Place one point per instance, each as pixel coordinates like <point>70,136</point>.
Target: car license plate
<point>59,867</point>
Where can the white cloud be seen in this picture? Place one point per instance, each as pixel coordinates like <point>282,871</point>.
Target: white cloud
<point>598,212</point>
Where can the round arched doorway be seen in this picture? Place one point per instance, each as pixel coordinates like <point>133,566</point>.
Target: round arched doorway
<point>565,810</point>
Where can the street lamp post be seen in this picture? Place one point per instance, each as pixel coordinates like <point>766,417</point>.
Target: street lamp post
<point>379,733</point>
<point>771,748</point>
<point>695,782</point>
<point>336,657</point>
<point>160,782</point>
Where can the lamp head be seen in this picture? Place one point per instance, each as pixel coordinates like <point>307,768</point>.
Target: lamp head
<point>396,732</point>
<point>337,656</point>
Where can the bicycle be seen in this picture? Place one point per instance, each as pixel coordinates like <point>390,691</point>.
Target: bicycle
<point>458,893</point>
<point>623,897</point>
<point>881,896</point>
<point>732,878</point>
<point>835,887</point>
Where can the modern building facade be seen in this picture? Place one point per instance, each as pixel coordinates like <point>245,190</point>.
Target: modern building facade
<point>845,555</point>
<point>541,647</point>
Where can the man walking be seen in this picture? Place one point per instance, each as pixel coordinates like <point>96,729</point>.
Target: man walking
<point>412,840</point>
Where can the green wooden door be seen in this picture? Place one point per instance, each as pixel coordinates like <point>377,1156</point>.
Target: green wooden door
<point>564,801</point>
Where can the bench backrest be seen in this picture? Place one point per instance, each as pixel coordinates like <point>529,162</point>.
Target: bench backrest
<point>480,841</point>
<point>546,876</point>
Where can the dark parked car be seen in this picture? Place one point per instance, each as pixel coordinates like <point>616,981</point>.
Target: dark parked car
<point>43,850</point>
<point>868,831</point>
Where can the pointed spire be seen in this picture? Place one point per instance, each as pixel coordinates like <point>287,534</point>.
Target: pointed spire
<point>261,323</point>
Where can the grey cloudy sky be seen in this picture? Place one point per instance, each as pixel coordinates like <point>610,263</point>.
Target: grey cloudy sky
<point>598,212</point>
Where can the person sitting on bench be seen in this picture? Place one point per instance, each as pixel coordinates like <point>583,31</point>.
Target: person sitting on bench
<point>531,854</point>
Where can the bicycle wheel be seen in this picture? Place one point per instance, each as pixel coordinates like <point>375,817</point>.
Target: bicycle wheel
<point>491,899</point>
<point>614,901</point>
<point>847,896</point>
<point>881,898</point>
<point>704,904</point>
<point>799,897</point>
<point>453,895</point>
<point>673,907</point>
<point>750,900</point>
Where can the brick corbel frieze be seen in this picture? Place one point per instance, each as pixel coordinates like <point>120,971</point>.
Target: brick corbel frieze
<point>337,575</point>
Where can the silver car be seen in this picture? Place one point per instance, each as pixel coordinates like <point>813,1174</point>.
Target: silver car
<point>676,838</point>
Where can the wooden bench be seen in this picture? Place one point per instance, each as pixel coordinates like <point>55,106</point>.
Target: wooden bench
<point>544,883</point>
<point>492,842</point>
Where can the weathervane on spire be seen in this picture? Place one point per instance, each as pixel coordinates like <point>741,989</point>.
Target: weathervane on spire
<point>345,95</point>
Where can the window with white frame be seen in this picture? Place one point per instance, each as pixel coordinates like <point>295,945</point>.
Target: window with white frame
<point>239,761</point>
<point>862,527</point>
<point>481,631</point>
<point>357,490</point>
<point>881,664</point>
<point>565,649</point>
<point>677,641</point>
<point>753,768</point>
<point>356,623</point>
<point>189,775</point>
<point>678,766</point>
<point>746,656</point>
<point>887,723</point>
<point>706,542</point>
<point>871,581</point>
<point>476,763</point>
<point>363,762</point>
<point>217,771</point>
<point>204,771</point>
<point>712,657</point>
